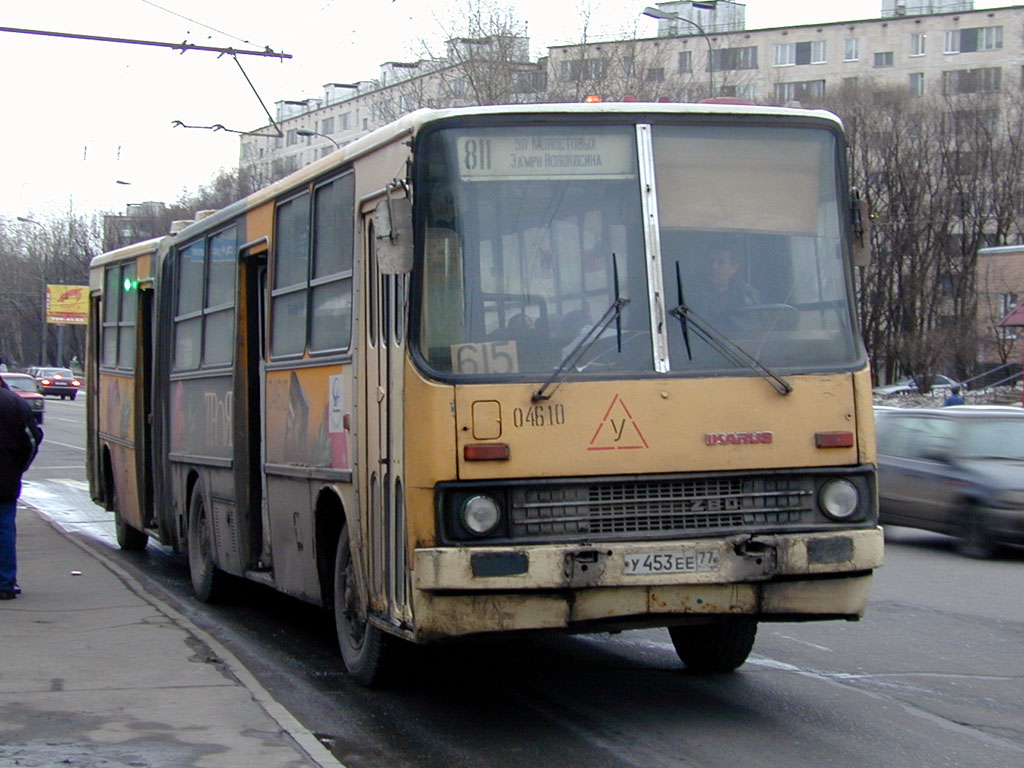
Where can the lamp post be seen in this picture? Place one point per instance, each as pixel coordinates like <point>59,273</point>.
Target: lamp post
<point>308,132</point>
<point>42,307</point>
<point>657,13</point>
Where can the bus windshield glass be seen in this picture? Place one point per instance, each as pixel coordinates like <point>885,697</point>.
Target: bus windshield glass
<point>751,233</point>
<point>533,232</point>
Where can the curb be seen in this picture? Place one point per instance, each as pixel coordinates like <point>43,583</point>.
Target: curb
<point>305,739</point>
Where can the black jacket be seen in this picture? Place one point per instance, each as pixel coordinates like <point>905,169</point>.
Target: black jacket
<point>20,436</point>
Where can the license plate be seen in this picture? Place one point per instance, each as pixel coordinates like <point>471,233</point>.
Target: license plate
<point>693,561</point>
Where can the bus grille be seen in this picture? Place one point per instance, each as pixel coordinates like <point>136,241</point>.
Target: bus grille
<point>661,506</point>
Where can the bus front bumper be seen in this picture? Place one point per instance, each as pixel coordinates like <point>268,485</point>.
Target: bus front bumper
<point>800,576</point>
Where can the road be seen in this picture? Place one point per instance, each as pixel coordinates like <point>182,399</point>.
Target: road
<point>933,675</point>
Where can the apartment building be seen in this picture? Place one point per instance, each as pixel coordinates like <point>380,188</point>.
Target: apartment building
<point>937,47</point>
<point>949,52</point>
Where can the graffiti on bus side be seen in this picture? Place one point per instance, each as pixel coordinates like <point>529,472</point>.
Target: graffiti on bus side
<point>117,409</point>
<point>305,420</point>
<point>201,417</point>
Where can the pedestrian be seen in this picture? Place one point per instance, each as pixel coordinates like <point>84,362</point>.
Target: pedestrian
<point>20,437</point>
<point>954,397</point>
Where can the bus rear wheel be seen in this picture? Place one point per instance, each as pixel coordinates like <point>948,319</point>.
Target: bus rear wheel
<point>718,647</point>
<point>369,654</point>
<point>128,538</point>
<point>208,581</point>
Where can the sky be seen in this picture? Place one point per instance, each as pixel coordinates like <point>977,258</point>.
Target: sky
<point>88,126</point>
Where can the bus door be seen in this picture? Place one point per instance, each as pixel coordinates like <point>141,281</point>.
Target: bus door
<point>250,479</point>
<point>144,407</point>
<point>383,496</point>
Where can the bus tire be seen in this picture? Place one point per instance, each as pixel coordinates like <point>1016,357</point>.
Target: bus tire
<point>721,647</point>
<point>208,581</point>
<point>368,653</point>
<point>128,538</point>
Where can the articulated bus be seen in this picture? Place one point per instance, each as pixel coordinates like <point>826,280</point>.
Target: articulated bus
<point>569,368</point>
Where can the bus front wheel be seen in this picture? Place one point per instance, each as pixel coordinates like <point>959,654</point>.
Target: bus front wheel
<point>369,654</point>
<point>208,581</point>
<point>719,647</point>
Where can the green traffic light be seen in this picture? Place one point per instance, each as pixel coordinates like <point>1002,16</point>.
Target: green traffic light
<point>130,285</point>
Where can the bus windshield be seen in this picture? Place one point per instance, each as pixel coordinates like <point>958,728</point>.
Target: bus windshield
<point>532,232</point>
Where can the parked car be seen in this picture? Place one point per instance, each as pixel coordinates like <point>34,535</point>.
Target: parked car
<point>956,470</point>
<point>25,385</point>
<point>57,381</point>
<point>940,384</point>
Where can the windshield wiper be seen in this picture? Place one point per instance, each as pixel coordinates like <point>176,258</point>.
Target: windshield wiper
<point>585,342</point>
<point>729,349</point>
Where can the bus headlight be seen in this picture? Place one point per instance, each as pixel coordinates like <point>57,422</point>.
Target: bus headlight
<point>839,499</point>
<point>480,514</point>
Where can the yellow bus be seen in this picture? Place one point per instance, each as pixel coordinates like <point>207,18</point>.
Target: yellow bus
<point>569,368</point>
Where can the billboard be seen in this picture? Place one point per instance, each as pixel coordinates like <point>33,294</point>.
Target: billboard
<point>67,304</point>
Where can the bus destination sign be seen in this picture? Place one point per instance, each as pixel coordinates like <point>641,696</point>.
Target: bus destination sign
<point>545,156</point>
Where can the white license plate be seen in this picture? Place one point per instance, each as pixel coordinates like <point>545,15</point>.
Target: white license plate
<point>691,561</point>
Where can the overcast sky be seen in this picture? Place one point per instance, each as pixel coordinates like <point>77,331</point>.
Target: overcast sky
<point>80,116</point>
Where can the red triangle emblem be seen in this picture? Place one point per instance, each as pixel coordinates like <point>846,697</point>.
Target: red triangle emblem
<point>618,430</point>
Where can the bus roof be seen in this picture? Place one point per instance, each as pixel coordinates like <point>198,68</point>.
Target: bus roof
<point>127,252</point>
<point>413,122</point>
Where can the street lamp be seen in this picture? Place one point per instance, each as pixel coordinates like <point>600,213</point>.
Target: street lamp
<point>308,132</point>
<point>657,13</point>
<point>42,310</point>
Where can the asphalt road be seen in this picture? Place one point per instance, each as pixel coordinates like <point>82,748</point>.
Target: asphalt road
<point>933,676</point>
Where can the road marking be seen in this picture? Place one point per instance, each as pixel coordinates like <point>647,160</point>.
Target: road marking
<point>63,445</point>
<point>804,642</point>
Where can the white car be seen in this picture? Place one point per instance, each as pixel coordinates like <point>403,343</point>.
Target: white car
<point>907,385</point>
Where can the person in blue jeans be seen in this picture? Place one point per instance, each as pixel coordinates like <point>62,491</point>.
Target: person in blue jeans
<point>20,436</point>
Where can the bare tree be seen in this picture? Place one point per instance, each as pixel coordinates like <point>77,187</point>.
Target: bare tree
<point>942,177</point>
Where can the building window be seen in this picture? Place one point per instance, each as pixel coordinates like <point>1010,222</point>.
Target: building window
<point>685,61</point>
<point>327,125</point>
<point>291,137</point>
<point>851,49</point>
<point>807,90</point>
<point>974,39</point>
<point>849,82</point>
<point>959,81</point>
<point>883,59</point>
<point>532,81</point>
<point>627,66</point>
<point>727,59</point>
<point>582,69</point>
<point>792,54</point>
<point>917,42</point>
<point>917,83</point>
<point>748,92</point>
<point>656,75</point>
<point>344,121</point>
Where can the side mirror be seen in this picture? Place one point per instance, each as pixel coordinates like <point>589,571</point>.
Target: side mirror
<point>392,228</point>
<point>861,230</point>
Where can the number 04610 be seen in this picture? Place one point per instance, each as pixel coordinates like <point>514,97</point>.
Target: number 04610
<point>551,415</point>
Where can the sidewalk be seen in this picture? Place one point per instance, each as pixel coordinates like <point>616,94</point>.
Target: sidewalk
<point>97,673</point>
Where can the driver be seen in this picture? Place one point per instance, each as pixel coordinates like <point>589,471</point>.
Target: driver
<point>726,290</point>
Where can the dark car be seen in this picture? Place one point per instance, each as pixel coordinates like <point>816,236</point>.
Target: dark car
<point>57,381</point>
<point>24,385</point>
<point>957,470</point>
